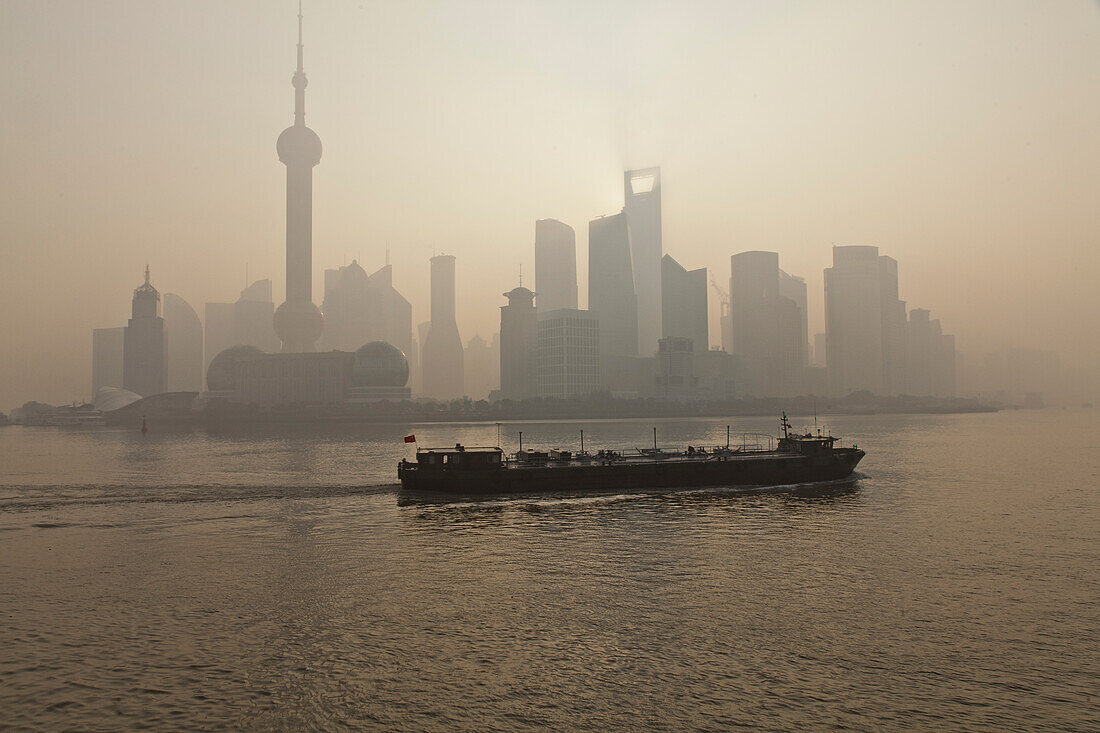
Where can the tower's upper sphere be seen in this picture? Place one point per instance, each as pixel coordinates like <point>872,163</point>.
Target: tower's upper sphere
<point>298,144</point>
<point>298,325</point>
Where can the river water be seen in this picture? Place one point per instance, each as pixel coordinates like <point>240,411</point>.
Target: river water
<point>271,580</point>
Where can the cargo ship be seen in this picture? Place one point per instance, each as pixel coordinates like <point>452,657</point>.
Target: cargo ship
<point>486,471</point>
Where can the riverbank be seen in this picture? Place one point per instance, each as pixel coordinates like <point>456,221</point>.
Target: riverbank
<point>223,414</point>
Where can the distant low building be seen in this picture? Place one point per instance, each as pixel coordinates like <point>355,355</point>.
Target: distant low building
<point>675,376</point>
<point>245,375</point>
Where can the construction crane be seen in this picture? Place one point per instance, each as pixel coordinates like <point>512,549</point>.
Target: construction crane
<point>724,312</point>
<point>722,294</point>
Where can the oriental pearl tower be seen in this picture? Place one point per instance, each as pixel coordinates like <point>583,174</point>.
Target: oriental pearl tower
<point>298,322</point>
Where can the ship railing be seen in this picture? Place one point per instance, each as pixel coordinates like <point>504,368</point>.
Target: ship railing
<point>756,443</point>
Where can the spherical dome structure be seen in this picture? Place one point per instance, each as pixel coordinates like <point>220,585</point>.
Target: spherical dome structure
<point>299,144</point>
<point>298,325</point>
<point>222,372</point>
<point>379,364</point>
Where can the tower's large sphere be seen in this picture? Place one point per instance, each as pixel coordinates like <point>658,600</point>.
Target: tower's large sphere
<point>297,145</point>
<point>222,373</point>
<point>298,325</point>
<point>380,364</point>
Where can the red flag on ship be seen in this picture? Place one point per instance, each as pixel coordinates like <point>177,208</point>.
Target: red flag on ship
<point>410,438</point>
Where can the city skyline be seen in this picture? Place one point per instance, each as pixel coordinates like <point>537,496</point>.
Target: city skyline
<point>1018,309</point>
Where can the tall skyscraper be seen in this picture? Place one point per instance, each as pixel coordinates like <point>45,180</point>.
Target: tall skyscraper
<point>479,368</point>
<point>107,351</point>
<point>183,370</point>
<point>519,326</point>
<point>930,365</point>
<point>794,288</point>
<point>642,194</point>
<point>361,308</point>
<point>298,321</point>
<point>684,304</point>
<point>894,340</point>
<point>611,296</point>
<point>864,322</point>
<point>555,264</point>
<point>919,353</point>
<point>143,343</point>
<point>568,353</point>
<point>442,365</point>
<point>766,327</point>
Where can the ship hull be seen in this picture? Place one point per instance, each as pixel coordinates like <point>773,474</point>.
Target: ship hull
<point>773,469</point>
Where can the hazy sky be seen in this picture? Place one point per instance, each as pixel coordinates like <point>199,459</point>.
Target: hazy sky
<point>962,138</point>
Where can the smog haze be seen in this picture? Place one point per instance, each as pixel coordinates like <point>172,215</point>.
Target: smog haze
<point>961,139</point>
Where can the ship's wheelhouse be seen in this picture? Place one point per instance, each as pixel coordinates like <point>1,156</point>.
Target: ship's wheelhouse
<point>460,458</point>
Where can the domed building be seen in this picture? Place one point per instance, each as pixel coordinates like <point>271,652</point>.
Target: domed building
<point>221,375</point>
<point>380,371</point>
<point>246,375</point>
<point>379,364</point>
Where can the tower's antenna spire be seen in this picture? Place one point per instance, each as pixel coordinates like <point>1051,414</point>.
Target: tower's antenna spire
<point>299,81</point>
<point>300,70</point>
<point>146,273</point>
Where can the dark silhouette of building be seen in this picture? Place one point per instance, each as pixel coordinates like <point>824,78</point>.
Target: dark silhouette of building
<point>611,297</point>
<point>555,264</point>
<point>519,326</point>
<point>360,308</point>
<point>182,346</point>
<point>766,327</point>
<point>107,351</point>
<point>642,207</point>
<point>683,304</point>
<point>442,351</point>
<point>143,343</point>
<point>298,321</point>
